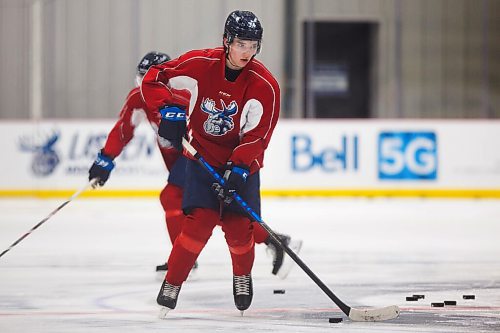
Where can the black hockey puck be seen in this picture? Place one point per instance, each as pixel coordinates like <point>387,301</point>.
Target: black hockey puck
<point>469,296</point>
<point>419,296</point>
<point>437,305</point>
<point>278,291</point>
<point>411,298</point>
<point>450,302</point>
<point>334,320</point>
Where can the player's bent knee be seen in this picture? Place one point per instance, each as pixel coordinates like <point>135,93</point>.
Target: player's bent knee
<point>238,248</point>
<point>191,244</point>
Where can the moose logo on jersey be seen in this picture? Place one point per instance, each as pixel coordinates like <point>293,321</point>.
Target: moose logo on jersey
<point>219,121</point>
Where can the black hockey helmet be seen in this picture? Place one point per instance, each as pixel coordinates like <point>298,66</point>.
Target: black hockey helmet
<point>244,25</point>
<point>150,59</point>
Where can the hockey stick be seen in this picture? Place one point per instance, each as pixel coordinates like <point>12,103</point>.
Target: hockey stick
<point>378,314</point>
<point>77,193</point>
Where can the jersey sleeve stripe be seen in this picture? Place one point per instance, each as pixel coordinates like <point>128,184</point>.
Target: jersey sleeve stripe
<point>271,119</point>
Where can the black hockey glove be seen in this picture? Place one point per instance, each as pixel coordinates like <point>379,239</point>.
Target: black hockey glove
<point>235,177</point>
<point>102,167</point>
<point>173,125</point>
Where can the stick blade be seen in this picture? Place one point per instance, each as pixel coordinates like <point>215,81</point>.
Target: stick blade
<point>379,314</point>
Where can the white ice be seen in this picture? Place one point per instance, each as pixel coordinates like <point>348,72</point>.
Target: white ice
<point>90,268</point>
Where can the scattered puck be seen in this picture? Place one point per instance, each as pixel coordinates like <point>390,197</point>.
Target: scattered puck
<point>419,296</point>
<point>411,298</point>
<point>469,296</point>
<point>279,291</point>
<point>437,305</point>
<point>450,302</point>
<point>334,320</point>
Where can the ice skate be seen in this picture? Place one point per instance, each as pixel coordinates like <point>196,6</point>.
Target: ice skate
<point>167,298</point>
<point>282,263</point>
<point>242,291</point>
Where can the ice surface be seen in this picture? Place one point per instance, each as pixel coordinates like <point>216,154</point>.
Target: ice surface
<point>90,268</point>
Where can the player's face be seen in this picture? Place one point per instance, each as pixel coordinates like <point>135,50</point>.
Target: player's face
<point>241,52</point>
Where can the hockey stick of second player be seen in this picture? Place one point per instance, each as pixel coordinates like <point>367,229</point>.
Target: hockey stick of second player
<point>76,194</point>
<point>376,314</point>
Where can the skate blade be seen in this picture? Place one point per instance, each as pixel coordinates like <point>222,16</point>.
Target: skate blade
<point>160,275</point>
<point>242,312</point>
<point>288,263</point>
<point>163,312</point>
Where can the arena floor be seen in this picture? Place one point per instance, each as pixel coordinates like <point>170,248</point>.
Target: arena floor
<point>90,268</point>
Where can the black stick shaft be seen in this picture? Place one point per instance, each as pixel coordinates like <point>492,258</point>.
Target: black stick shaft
<point>253,215</point>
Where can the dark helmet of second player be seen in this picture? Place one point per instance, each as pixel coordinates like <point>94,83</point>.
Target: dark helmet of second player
<point>151,59</point>
<point>244,25</point>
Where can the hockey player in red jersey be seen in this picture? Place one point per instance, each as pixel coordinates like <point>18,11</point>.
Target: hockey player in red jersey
<point>133,112</point>
<point>230,117</point>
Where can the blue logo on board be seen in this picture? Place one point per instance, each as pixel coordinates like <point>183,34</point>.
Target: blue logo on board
<point>339,156</point>
<point>407,155</point>
<point>45,158</point>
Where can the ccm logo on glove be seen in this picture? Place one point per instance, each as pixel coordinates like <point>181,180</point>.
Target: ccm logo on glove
<point>173,125</point>
<point>173,115</point>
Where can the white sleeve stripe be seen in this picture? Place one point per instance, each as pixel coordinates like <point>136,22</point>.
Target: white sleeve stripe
<point>274,102</point>
<point>251,115</point>
<point>273,110</point>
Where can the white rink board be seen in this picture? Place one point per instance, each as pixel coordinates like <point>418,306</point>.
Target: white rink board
<point>139,166</point>
<point>464,155</point>
<point>304,154</point>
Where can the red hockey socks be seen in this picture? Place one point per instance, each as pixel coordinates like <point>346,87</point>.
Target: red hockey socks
<point>198,227</point>
<point>171,200</point>
<point>239,235</point>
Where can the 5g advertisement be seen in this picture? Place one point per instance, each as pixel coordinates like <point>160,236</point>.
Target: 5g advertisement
<point>380,157</point>
<point>305,157</point>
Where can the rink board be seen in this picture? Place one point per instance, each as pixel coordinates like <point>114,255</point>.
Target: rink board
<point>435,158</point>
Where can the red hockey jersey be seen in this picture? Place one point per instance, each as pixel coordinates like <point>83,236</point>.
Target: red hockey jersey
<point>226,120</point>
<point>133,112</point>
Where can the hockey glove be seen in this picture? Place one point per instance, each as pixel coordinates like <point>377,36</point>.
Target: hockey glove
<point>235,177</point>
<point>173,125</point>
<point>102,167</point>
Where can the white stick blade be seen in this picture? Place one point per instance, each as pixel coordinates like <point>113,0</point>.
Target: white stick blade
<point>381,314</point>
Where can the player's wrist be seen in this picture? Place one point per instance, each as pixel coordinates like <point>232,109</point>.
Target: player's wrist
<point>104,161</point>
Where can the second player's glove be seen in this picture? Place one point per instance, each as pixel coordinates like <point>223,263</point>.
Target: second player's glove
<point>101,168</point>
<point>173,125</point>
<point>235,178</point>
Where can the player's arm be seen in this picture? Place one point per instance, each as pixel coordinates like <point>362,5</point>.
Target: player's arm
<point>155,88</point>
<point>262,117</point>
<point>119,136</point>
<point>123,130</point>
<point>172,103</point>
